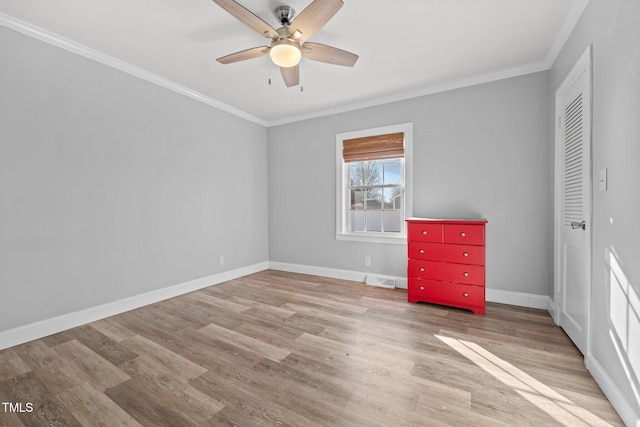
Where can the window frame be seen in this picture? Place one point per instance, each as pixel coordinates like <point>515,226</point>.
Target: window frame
<point>342,187</point>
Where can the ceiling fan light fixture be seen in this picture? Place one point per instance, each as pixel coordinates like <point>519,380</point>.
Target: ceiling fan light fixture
<point>285,53</point>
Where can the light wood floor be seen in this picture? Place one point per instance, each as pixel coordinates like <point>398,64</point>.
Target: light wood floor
<point>278,348</point>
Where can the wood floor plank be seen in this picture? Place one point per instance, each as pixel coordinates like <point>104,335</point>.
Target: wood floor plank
<point>89,367</point>
<point>235,393</point>
<point>209,353</point>
<point>216,302</point>
<point>151,405</point>
<point>112,329</point>
<point>55,373</point>
<point>247,343</point>
<point>8,418</point>
<point>47,409</point>
<point>152,371</point>
<point>98,342</point>
<point>278,348</point>
<point>93,408</point>
<point>272,311</point>
<point>11,365</point>
<point>181,366</point>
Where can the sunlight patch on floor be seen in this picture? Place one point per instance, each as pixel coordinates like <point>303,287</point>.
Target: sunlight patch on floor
<point>544,397</point>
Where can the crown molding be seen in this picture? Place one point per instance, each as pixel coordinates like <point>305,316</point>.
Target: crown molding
<point>428,90</point>
<point>46,36</point>
<point>560,39</point>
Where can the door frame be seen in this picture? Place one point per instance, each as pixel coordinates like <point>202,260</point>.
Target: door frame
<point>583,65</point>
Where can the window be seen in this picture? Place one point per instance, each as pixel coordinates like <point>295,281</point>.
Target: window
<point>373,185</point>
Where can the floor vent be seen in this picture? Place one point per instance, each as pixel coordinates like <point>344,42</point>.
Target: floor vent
<point>381,282</point>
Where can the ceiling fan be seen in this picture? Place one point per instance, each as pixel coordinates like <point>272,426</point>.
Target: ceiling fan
<point>289,42</point>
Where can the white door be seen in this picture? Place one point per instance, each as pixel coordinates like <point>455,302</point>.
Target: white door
<point>573,191</point>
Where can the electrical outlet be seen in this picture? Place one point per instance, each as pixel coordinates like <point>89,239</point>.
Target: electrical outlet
<point>220,260</point>
<point>367,261</point>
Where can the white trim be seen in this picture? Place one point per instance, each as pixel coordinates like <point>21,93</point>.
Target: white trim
<point>520,299</point>
<point>342,198</point>
<point>46,36</point>
<point>429,90</point>
<point>373,238</point>
<point>333,273</point>
<point>43,328</point>
<point>616,397</point>
<point>582,67</point>
<point>552,308</point>
<point>562,35</point>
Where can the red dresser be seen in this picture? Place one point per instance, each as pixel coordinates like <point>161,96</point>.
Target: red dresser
<point>446,262</point>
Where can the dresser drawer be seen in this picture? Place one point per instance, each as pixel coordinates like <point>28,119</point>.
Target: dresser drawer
<point>465,234</point>
<point>458,273</point>
<point>454,294</point>
<point>424,232</point>
<point>461,254</point>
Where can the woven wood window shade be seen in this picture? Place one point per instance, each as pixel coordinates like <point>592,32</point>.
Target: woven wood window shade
<point>376,147</point>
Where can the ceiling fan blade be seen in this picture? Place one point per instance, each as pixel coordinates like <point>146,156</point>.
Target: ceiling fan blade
<point>313,17</point>
<point>247,17</point>
<point>329,54</point>
<point>291,75</point>
<point>243,55</point>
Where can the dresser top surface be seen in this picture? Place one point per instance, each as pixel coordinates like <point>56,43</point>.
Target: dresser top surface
<point>448,220</point>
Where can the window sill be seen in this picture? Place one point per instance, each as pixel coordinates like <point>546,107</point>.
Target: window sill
<point>372,238</point>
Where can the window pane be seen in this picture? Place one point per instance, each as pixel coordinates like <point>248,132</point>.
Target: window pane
<point>357,199</point>
<point>392,198</point>
<point>356,220</point>
<point>392,172</point>
<point>374,173</point>
<point>357,172</point>
<point>374,220</point>
<point>392,221</point>
<point>365,173</point>
<point>374,198</point>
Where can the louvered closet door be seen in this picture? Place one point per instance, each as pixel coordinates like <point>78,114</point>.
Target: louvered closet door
<point>574,131</point>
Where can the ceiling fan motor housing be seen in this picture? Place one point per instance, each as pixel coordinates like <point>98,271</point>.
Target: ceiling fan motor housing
<point>284,14</point>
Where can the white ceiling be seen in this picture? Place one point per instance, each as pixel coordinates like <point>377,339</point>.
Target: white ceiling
<point>406,47</point>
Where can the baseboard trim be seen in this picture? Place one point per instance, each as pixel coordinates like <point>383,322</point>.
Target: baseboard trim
<point>618,400</point>
<point>333,273</point>
<point>43,328</point>
<point>552,308</point>
<point>520,299</point>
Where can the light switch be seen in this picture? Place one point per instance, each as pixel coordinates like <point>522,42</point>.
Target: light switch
<point>603,179</point>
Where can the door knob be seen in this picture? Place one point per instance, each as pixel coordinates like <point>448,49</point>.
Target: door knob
<point>575,225</point>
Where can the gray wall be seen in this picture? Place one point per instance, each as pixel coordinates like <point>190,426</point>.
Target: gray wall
<point>111,186</point>
<point>612,27</point>
<point>481,151</point>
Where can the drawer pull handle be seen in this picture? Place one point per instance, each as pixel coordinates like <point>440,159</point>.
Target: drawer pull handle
<point>421,269</point>
<point>465,254</point>
<point>424,232</point>
<point>465,274</point>
<point>421,251</point>
<point>466,294</point>
<point>422,288</point>
<point>463,234</point>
